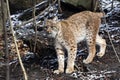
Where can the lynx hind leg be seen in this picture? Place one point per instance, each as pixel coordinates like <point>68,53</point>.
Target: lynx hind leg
<point>91,49</point>
<point>71,58</point>
<point>102,43</point>
<point>60,56</point>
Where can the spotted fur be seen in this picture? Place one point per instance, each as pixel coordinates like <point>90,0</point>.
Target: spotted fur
<point>69,32</point>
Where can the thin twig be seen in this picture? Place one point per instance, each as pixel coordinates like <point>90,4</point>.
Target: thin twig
<point>96,5</point>
<point>34,23</point>
<point>59,6</point>
<point>112,5</point>
<point>14,38</point>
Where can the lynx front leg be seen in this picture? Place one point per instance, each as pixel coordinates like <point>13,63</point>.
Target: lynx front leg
<point>102,43</point>
<point>60,56</point>
<point>91,50</point>
<point>71,59</point>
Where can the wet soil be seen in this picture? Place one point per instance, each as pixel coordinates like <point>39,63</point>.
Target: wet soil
<point>41,67</point>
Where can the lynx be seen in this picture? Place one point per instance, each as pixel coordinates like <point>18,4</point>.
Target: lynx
<point>69,32</point>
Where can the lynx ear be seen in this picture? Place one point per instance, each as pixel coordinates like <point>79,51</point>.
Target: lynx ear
<point>48,22</point>
<point>55,19</point>
<point>51,22</point>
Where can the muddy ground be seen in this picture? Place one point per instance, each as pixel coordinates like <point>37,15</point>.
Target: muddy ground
<point>41,67</point>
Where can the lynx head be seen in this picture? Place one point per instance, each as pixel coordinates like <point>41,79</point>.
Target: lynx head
<point>52,27</point>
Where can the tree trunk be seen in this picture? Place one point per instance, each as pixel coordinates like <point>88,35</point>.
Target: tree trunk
<point>5,13</point>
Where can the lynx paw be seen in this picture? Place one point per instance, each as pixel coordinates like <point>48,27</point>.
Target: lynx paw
<point>69,70</point>
<point>86,61</point>
<point>58,71</point>
<point>100,54</point>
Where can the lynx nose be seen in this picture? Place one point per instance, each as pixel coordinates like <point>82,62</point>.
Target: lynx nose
<point>49,30</point>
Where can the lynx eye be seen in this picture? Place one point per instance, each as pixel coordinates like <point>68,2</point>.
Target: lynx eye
<point>53,27</point>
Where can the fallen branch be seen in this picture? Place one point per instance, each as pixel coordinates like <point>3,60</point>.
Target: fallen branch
<point>29,21</point>
<point>27,14</point>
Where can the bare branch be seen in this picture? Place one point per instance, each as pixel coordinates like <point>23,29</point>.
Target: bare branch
<point>14,38</point>
<point>26,22</point>
<point>59,6</point>
<point>34,23</point>
<point>96,5</point>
